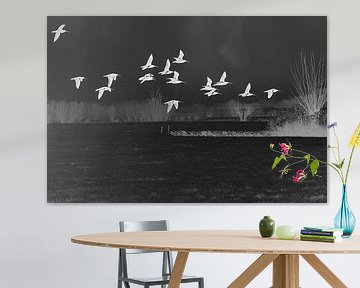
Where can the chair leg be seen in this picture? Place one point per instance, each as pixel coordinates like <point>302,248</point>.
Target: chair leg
<point>201,283</point>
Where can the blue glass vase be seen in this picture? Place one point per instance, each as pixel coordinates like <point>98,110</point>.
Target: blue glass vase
<point>345,219</point>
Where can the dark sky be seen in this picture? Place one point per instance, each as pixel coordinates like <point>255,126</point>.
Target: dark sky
<point>259,50</point>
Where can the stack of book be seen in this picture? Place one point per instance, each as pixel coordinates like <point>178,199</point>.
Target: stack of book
<point>321,234</point>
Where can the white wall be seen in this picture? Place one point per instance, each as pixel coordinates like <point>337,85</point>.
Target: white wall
<point>35,248</point>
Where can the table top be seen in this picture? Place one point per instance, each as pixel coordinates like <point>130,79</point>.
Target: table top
<point>217,241</point>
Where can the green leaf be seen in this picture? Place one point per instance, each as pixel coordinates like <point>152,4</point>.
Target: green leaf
<point>314,167</point>
<point>283,157</point>
<point>271,146</point>
<point>307,157</point>
<point>339,166</point>
<point>277,161</point>
<point>342,163</point>
<point>336,165</point>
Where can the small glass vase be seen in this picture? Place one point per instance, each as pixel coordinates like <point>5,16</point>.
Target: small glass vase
<point>345,219</point>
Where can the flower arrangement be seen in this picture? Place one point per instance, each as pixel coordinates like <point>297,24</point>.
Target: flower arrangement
<point>309,163</point>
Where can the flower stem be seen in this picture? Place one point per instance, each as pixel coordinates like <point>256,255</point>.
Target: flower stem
<point>296,162</point>
<point>350,159</point>
<point>323,162</point>
<point>339,155</point>
<point>337,144</point>
<point>348,166</point>
<point>313,157</point>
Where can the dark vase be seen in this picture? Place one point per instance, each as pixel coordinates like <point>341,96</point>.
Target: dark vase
<point>345,219</point>
<point>267,227</point>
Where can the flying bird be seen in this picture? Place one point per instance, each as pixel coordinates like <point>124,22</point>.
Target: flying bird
<point>222,81</point>
<point>247,92</point>
<point>180,59</point>
<point>172,103</point>
<point>111,77</point>
<point>146,77</point>
<point>78,81</point>
<point>271,92</point>
<point>175,79</point>
<point>149,64</point>
<point>208,86</point>
<point>59,31</point>
<point>212,93</point>
<point>101,91</point>
<point>166,68</point>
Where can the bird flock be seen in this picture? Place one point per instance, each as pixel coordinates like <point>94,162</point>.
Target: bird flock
<point>209,88</point>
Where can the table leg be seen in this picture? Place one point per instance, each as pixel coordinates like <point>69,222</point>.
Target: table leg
<point>324,271</point>
<point>293,262</point>
<point>286,271</point>
<point>253,270</point>
<point>178,270</point>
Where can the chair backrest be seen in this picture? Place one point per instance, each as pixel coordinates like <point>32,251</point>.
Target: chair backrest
<point>134,226</point>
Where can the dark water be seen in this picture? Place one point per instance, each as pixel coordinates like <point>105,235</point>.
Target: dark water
<point>133,163</point>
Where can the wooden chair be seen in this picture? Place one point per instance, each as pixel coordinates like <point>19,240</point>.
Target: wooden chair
<point>167,262</point>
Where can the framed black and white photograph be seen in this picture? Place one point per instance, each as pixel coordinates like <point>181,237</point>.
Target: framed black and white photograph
<point>167,109</point>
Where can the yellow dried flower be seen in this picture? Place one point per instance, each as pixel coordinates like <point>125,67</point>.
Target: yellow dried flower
<point>355,137</point>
